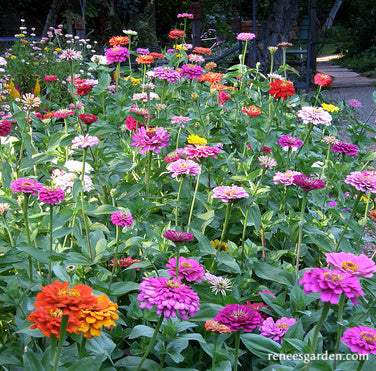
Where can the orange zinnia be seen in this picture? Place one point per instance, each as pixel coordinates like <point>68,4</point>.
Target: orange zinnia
<point>222,87</point>
<point>200,50</point>
<point>175,34</point>
<point>216,326</point>
<point>145,59</point>
<point>101,314</point>
<point>157,55</point>
<point>211,77</point>
<point>119,40</point>
<point>281,89</point>
<point>251,111</point>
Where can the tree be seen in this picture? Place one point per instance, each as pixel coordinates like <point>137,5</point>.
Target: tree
<point>52,15</point>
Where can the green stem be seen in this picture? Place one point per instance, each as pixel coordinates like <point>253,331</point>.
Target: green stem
<point>117,74</point>
<point>361,363</point>
<point>115,263</point>
<point>82,347</point>
<point>50,257</point>
<point>305,140</point>
<point>237,343</point>
<point>214,350</point>
<point>326,161</point>
<point>243,236</point>
<point>259,181</point>
<point>27,230</point>
<point>177,138</point>
<point>193,202</point>
<point>317,95</point>
<point>53,347</point>
<point>228,208</point>
<point>147,175</point>
<point>270,120</point>
<point>161,364</point>
<point>63,329</point>
<point>300,235</point>
<point>148,349</point>
<point>8,231</point>
<point>177,260</point>
<point>288,158</point>
<point>348,220</point>
<point>177,200</point>
<point>341,304</point>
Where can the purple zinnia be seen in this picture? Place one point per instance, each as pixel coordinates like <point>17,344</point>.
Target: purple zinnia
<point>51,195</point>
<point>239,317</point>
<point>360,339</point>
<point>229,193</point>
<point>117,54</point>
<point>122,219</point>
<point>331,283</point>
<point>150,139</point>
<point>244,36</point>
<point>191,71</point>
<point>178,236</point>
<point>307,183</point>
<point>189,269</point>
<point>288,142</point>
<point>166,73</point>
<point>26,186</point>
<point>354,265</point>
<point>144,51</point>
<point>277,330</point>
<point>346,148</point>
<point>169,295</point>
<point>362,180</point>
<point>184,167</point>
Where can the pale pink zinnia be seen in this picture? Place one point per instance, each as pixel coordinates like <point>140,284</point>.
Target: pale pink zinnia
<point>196,152</point>
<point>150,139</point>
<point>315,116</point>
<point>229,193</point>
<point>359,265</point>
<point>189,269</point>
<point>286,178</point>
<point>267,162</point>
<point>362,180</point>
<point>184,167</point>
<point>244,36</point>
<point>81,141</point>
<point>276,330</point>
<point>354,103</point>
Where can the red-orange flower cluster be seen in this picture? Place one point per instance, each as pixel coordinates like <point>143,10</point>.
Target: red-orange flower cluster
<point>175,34</point>
<point>211,77</point>
<point>145,59</point>
<point>119,40</point>
<point>251,111</point>
<point>201,50</point>
<point>322,79</point>
<point>281,89</point>
<point>157,55</point>
<point>86,312</point>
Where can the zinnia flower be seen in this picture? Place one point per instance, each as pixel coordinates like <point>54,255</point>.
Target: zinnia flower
<point>126,262</point>
<point>30,101</point>
<point>178,236</point>
<point>229,193</point>
<point>5,128</point>
<point>174,156</point>
<point>185,15</point>
<point>361,339</point>
<point>117,54</point>
<point>87,118</point>
<point>195,139</point>
<point>191,71</point>
<point>145,59</point>
<point>119,40</point>
<point>267,162</point>
<point>314,115</point>
<point>244,36</point>
<point>175,34</point>
<point>329,107</point>
<point>204,51</point>
<point>70,55</point>
<point>218,283</point>
<point>4,207</point>
<point>216,326</point>
<point>51,195</point>
<point>239,317</point>
<point>224,246</point>
<point>354,103</point>
<point>287,142</point>
<point>195,58</point>
<point>362,180</point>
<point>166,73</point>
<point>331,283</point>
<point>150,139</point>
<point>189,269</point>
<point>322,79</point>
<point>195,153</point>
<point>348,149</point>
<point>359,265</point>
<point>211,77</point>
<point>170,296</point>
<point>180,120</point>
<point>26,186</point>
<point>307,183</point>
<point>277,330</point>
<point>286,178</point>
<point>251,111</point>
<point>63,112</point>
<point>122,219</point>
<point>50,78</point>
<point>84,141</point>
<point>223,97</point>
<point>184,167</point>
<point>281,89</point>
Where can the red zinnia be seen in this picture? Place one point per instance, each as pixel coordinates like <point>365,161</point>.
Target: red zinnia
<point>281,89</point>
<point>83,89</point>
<point>5,128</point>
<point>175,34</point>
<point>119,40</point>
<point>87,118</point>
<point>251,111</point>
<point>322,79</point>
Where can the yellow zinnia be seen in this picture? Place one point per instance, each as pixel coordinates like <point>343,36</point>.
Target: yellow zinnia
<point>329,107</point>
<point>224,246</point>
<point>195,139</point>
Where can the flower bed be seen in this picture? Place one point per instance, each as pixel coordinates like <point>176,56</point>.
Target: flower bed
<point>176,217</point>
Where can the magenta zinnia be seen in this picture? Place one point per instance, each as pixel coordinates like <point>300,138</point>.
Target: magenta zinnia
<point>229,193</point>
<point>169,295</point>
<point>276,330</point>
<point>122,218</point>
<point>360,339</point>
<point>51,195</point>
<point>184,167</point>
<point>239,317</point>
<point>189,269</point>
<point>178,236</point>
<point>191,71</point>
<point>288,142</point>
<point>346,148</point>
<point>359,265</point>
<point>150,139</point>
<point>5,128</point>
<point>166,73</point>
<point>26,186</point>
<point>307,183</point>
<point>117,54</point>
<point>331,283</point>
<point>362,180</point>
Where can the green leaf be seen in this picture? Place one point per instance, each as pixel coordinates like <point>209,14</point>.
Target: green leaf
<point>141,330</point>
<point>119,288</point>
<point>101,210</point>
<point>207,311</point>
<point>260,345</point>
<point>101,345</point>
<point>255,216</point>
<point>130,363</point>
<point>228,261</point>
<point>39,255</point>
<point>206,247</point>
<point>61,273</point>
<point>192,336</point>
<point>92,363</point>
<point>271,273</point>
<point>31,362</point>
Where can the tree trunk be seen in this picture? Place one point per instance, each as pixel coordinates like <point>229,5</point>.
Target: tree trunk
<point>52,15</point>
<point>329,21</point>
<point>282,15</point>
<point>150,11</point>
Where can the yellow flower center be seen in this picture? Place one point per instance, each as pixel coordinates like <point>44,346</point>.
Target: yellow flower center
<point>282,325</point>
<point>350,266</point>
<point>368,337</point>
<point>186,265</point>
<point>333,276</point>
<point>172,284</point>
<point>56,313</point>
<point>238,314</point>
<point>67,292</point>
<point>230,192</point>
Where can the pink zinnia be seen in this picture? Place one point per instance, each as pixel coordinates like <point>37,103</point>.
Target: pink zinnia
<point>5,128</point>
<point>191,71</point>
<point>239,317</point>
<point>122,219</point>
<point>117,54</point>
<point>84,141</point>
<point>276,330</point>
<point>288,142</point>
<point>354,265</point>
<point>62,113</point>
<point>132,124</point>
<point>166,73</point>
<point>189,269</point>
<point>267,162</point>
<point>178,236</point>
<point>150,139</point>
<point>347,148</point>
<point>170,296</point>
<point>286,178</point>
<point>197,152</point>
<point>244,36</point>
<point>174,156</point>
<point>229,193</point>
<point>314,115</point>
<point>360,339</point>
<point>223,97</point>
<point>26,186</point>
<point>51,195</point>
<point>354,103</point>
<point>362,180</point>
<point>184,167</point>
<point>126,262</point>
<point>307,183</point>
<point>180,120</point>
<point>332,284</point>
<point>50,78</point>
<point>185,15</point>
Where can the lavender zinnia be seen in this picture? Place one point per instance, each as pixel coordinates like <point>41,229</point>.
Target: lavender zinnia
<point>362,180</point>
<point>276,330</point>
